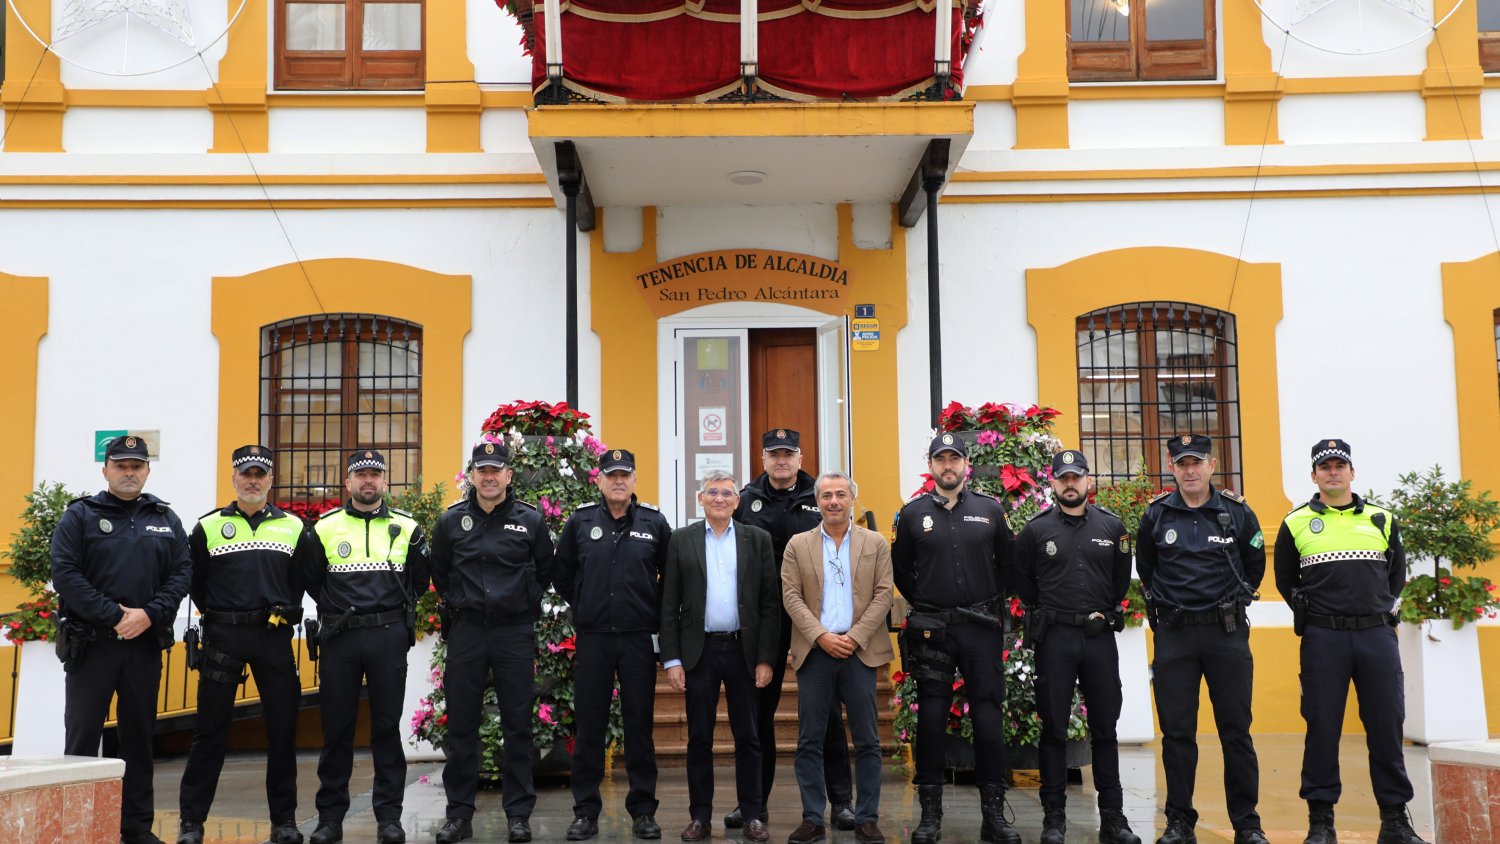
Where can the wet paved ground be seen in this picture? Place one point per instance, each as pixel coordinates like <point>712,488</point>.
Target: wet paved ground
<point>239,810</point>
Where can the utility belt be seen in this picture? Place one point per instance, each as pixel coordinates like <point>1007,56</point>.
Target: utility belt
<point>333,625</point>
<point>1228,615</point>
<point>453,615</point>
<point>1351,622</point>
<point>74,638</point>
<point>272,616</point>
<point>926,629</point>
<point>1093,623</point>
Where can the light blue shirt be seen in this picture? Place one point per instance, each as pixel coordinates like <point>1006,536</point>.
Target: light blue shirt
<point>838,599</point>
<point>721,612</point>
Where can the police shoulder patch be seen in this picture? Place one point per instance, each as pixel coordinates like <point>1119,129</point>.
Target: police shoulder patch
<point>524,503</point>
<point>651,507</point>
<point>588,504</point>
<point>1160,496</point>
<point>1232,496</point>
<point>402,512</point>
<point>334,512</point>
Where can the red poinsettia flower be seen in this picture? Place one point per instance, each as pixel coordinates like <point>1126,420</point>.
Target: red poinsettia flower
<point>1015,479</point>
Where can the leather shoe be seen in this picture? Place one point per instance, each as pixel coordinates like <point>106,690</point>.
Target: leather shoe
<point>734,820</point>
<point>843,816</point>
<point>646,827</point>
<point>328,832</point>
<point>582,828</point>
<point>756,831</point>
<point>456,829</point>
<point>189,832</point>
<point>390,832</point>
<point>868,833</point>
<point>286,832</point>
<point>1179,831</point>
<point>520,830</point>
<point>696,831</point>
<point>807,833</point>
<point>1250,835</point>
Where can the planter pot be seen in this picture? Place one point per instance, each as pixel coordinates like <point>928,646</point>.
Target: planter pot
<point>418,686</point>
<point>1444,696</point>
<point>1136,724</point>
<point>39,725</point>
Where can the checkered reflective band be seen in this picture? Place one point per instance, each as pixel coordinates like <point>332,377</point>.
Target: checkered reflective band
<point>367,463</point>
<point>253,545</point>
<point>1332,452</point>
<point>251,458</point>
<point>335,567</point>
<point>1337,556</point>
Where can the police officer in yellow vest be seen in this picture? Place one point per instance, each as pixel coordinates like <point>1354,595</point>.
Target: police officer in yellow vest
<point>371,565</point>
<point>247,583</point>
<point>1340,564</point>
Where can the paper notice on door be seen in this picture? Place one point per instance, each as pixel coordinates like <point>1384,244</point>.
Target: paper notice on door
<point>713,427</point>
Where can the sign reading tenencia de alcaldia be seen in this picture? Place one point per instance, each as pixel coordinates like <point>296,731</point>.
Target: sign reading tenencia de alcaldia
<point>745,275</point>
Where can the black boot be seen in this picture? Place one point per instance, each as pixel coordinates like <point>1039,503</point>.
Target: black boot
<point>1395,827</point>
<point>995,828</point>
<point>930,830</point>
<point>1054,826</point>
<point>1179,831</point>
<point>1114,829</point>
<point>189,832</point>
<point>1320,823</point>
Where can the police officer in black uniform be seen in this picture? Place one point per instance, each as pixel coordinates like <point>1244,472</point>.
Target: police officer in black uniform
<point>369,565</point>
<point>609,564</point>
<point>1341,566</point>
<point>1072,571</point>
<point>1201,556</point>
<point>491,563</point>
<point>953,552</point>
<point>121,568</point>
<point>781,502</point>
<point>247,582</point>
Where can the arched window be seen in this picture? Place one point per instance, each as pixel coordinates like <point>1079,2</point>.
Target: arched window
<point>1152,370</point>
<point>331,383</point>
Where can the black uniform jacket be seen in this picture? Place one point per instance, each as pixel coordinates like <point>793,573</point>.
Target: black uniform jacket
<point>1075,564</point>
<point>609,570</point>
<point>1346,587</point>
<point>374,589</point>
<point>952,558</point>
<point>783,513</point>
<point>107,551</point>
<point>1187,556</point>
<point>252,578</point>
<point>493,565</point>
<point>685,595</point>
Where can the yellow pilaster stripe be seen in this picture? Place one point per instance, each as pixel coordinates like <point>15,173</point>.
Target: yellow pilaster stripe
<point>238,102</point>
<point>453,101</point>
<point>1040,93</point>
<point>24,303</point>
<point>33,94</point>
<point>1453,79</point>
<point>1251,87</point>
<point>627,336</point>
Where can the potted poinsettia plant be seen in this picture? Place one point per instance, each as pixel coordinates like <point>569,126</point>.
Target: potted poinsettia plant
<point>1445,523</point>
<point>556,459</point>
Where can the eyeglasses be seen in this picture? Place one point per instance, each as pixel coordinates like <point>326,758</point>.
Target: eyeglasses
<point>838,571</point>
<point>718,493</point>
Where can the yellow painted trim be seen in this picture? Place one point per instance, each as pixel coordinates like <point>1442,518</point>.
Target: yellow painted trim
<point>346,99</point>
<point>117,98</point>
<point>1173,196</point>
<point>1057,296</point>
<point>105,98</point>
<point>440,303</point>
<point>505,99</point>
<point>453,108</point>
<point>1489,657</point>
<point>1095,91</point>
<point>280,204</point>
<point>238,101</point>
<point>279,179</point>
<point>1229,172</point>
<point>626,329</point>
<point>1471,294</point>
<point>1252,88</point>
<point>1352,85</point>
<point>1238,84</point>
<point>768,120</point>
<point>33,94</point>
<point>988,93</point>
<point>24,302</point>
<point>1040,93</point>
<point>1453,79</point>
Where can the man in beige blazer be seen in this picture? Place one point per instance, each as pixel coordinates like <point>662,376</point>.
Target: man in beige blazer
<point>836,586</point>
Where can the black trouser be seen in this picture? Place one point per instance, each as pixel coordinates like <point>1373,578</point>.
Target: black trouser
<point>1330,660</point>
<point>976,649</point>
<point>1185,657</point>
<point>835,745</point>
<point>723,661</point>
<point>1065,658</point>
<point>131,669</point>
<point>375,656</point>
<point>268,651</point>
<point>474,652</point>
<point>599,658</point>
<point>822,682</point>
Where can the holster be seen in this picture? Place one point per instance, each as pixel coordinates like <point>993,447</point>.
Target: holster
<point>166,637</point>
<point>1153,614</point>
<point>1299,612</point>
<point>924,633</point>
<point>447,617</point>
<point>73,639</point>
<point>194,649</point>
<point>411,626</point>
<point>311,634</point>
<point>1037,622</point>
<point>220,667</point>
<point>926,627</point>
<point>1117,620</point>
<point>1095,624</point>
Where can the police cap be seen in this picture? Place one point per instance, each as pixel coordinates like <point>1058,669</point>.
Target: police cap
<point>781,438</point>
<point>616,460</point>
<point>1189,445</point>
<point>490,454</point>
<point>128,447</point>
<point>947,442</point>
<point>1069,463</point>
<point>366,458</point>
<point>251,455</point>
<point>1330,449</point>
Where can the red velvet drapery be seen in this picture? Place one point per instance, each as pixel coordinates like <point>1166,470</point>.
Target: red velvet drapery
<point>682,50</point>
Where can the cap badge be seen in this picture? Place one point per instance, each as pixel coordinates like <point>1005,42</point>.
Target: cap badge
<point>344,549</point>
<point>1332,444</point>
<point>467,523</point>
<point>130,442</point>
<point>105,526</point>
<point>596,532</point>
<point>947,439</point>
<point>616,455</point>
<point>926,523</point>
<point>1171,537</point>
<point>1067,457</point>
<point>489,448</point>
<point>255,449</point>
<point>1187,439</point>
<point>756,505</point>
<point>369,456</point>
<point>1316,525</point>
<point>780,434</point>
<point>1051,548</point>
<point>227,530</point>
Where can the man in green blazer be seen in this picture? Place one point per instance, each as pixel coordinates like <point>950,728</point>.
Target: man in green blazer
<point>720,618</point>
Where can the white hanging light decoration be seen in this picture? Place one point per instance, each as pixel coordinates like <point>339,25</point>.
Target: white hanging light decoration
<point>1372,26</point>
<point>170,18</point>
